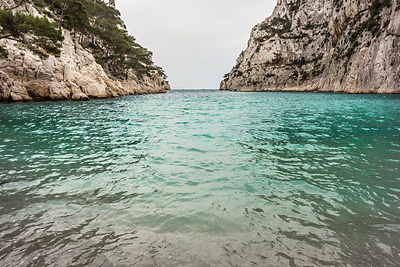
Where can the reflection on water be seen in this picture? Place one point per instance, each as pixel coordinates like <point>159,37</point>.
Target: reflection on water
<point>202,178</point>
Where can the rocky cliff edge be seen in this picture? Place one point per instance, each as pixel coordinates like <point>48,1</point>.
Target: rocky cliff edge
<point>74,75</point>
<point>323,45</point>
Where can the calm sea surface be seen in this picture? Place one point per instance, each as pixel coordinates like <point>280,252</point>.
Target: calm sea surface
<point>202,178</point>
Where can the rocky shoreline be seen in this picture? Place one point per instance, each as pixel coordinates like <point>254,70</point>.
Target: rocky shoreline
<point>74,75</point>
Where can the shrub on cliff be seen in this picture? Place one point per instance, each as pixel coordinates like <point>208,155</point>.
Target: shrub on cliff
<point>115,49</point>
<point>103,32</point>
<point>3,52</point>
<point>38,34</point>
<point>70,14</point>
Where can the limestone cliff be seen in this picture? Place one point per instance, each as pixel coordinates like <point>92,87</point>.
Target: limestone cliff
<point>348,46</point>
<point>74,74</point>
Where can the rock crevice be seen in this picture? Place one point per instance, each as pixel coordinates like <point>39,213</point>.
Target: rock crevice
<point>74,75</point>
<point>323,45</point>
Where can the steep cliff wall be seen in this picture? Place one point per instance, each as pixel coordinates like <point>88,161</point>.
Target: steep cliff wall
<point>323,45</point>
<point>73,75</point>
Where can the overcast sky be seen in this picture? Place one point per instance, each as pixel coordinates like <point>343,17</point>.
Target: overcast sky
<point>195,41</point>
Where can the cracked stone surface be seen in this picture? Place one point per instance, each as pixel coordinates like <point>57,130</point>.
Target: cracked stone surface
<point>323,45</point>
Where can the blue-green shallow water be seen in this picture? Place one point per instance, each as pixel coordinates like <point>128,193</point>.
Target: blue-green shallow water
<point>202,178</point>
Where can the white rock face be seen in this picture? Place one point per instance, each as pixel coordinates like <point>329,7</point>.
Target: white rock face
<point>74,75</point>
<point>348,46</point>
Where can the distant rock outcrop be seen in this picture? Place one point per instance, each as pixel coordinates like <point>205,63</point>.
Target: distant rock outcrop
<point>73,75</point>
<point>323,45</point>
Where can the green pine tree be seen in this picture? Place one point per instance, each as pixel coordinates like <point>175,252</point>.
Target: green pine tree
<point>38,34</point>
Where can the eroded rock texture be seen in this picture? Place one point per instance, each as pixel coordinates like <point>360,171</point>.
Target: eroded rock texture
<point>323,45</point>
<point>74,75</point>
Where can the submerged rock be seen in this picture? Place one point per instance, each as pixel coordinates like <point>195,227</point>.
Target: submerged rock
<point>323,45</point>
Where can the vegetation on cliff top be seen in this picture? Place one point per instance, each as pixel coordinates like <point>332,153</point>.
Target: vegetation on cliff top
<point>38,34</point>
<point>98,27</point>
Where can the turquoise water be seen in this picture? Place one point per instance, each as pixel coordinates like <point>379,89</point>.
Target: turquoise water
<point>202,178</point>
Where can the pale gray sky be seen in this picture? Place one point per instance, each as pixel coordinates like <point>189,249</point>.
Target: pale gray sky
<point>195,41</point>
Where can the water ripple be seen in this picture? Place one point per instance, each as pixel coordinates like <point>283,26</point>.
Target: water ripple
<point>202,178</point>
